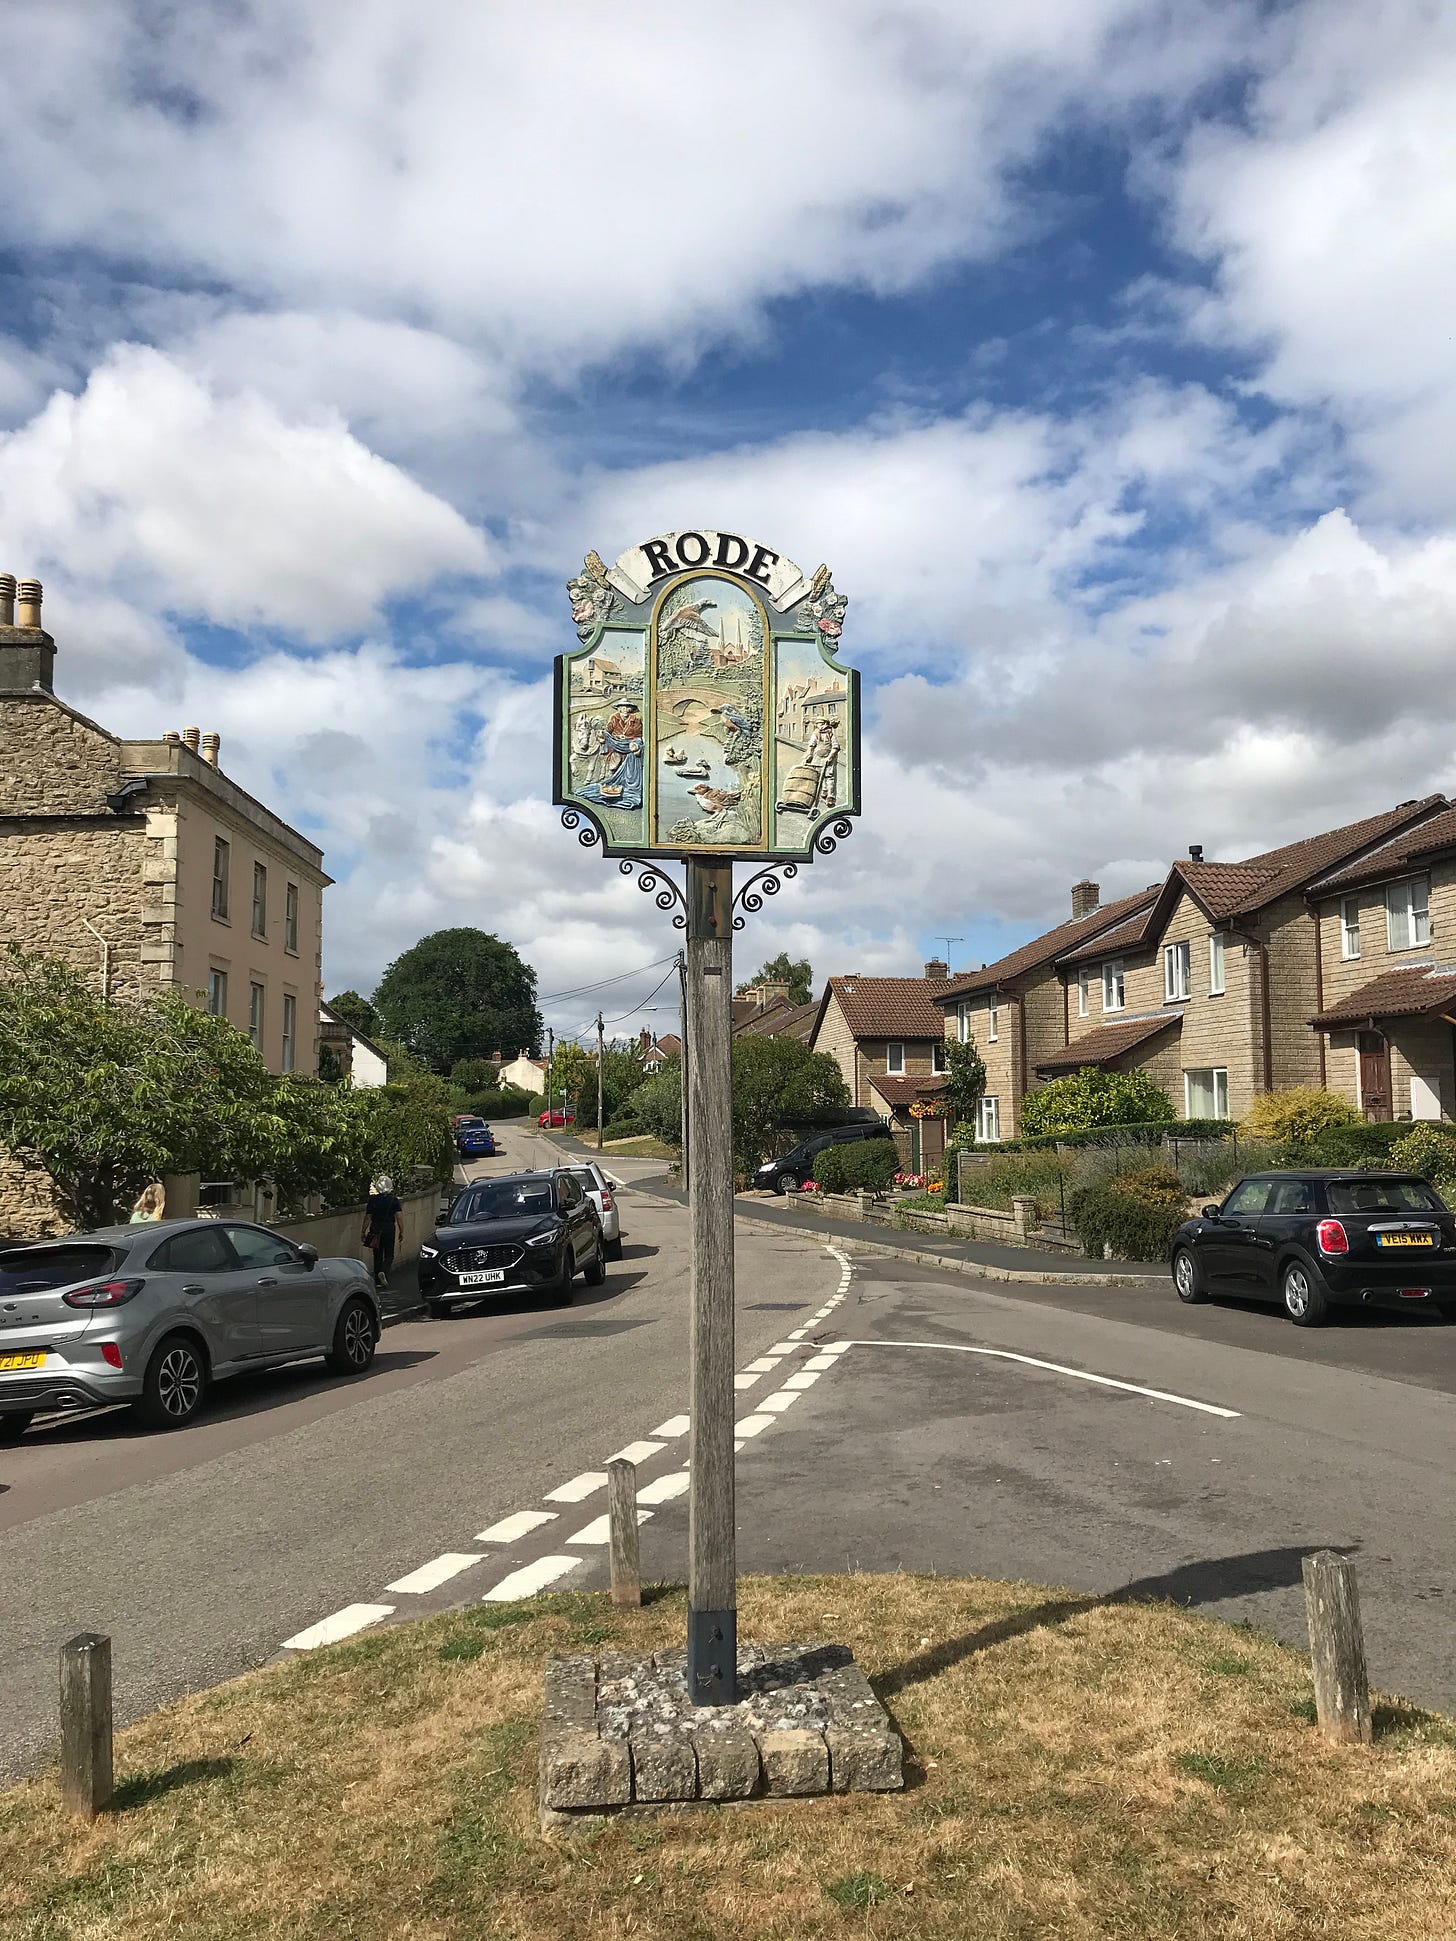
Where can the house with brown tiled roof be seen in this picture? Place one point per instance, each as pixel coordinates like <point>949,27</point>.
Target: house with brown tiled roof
<point>780,1019</point>
<point>887,1036</point>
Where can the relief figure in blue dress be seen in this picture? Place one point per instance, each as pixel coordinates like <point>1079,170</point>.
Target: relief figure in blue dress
<point>622,789</point>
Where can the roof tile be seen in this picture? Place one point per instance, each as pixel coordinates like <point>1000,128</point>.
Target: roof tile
<point>1108,1041</point>
<point>889,1007</point>
<point>1426,839</point>
<point>1407,993</point>
<point>1041,950</point>
<point>904,1091</point>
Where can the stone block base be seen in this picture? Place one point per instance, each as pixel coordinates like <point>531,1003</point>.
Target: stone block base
<point>619,1731</point>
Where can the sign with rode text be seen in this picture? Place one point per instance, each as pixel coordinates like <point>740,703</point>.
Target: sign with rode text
<point>706,711</point>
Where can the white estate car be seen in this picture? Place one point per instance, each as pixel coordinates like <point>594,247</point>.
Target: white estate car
<point>603,1195</point>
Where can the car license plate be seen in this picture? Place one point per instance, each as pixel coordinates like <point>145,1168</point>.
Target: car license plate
<point>1405,1240</point>
<point>484,1278</point>
<point>36,1360</point>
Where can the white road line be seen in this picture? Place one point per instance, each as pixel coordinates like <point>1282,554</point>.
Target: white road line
<point>782,1348</point>
<point>746,1381</point>
<point>530,1579</point>
<point>762,1366</point>
<point>752,1425</point>
<point>675,1425</point>
<point>1059,1368</point>
<point>776,1404</point>
<point>343,1624</point>
<point>438,1571</point>
<point>636,1452</point>
<point>599,1529</point>
<point>801,1381</point>
<point>519,1525</point>
<point>578,1487</point>
<point>821,1362</point>
<point>798,1334</point>
<point>665,1488</point>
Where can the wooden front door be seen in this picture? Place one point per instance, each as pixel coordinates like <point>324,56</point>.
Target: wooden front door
<point>1375,1075</point>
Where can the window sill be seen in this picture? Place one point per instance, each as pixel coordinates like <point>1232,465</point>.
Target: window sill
<point>226,921</point>
<point>290,950</point>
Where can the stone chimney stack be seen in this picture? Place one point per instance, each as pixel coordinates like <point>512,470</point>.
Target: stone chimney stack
<point>937,970</point>
<point>27,652</point>
<point>211,743</point>
<point>191,737</point>
<point>1085,898</point>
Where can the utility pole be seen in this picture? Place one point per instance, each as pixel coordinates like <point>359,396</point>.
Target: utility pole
<point>550,1058</point>
<point>682,1032</point>
<point>708,1145</point>
<point>601,1051</point>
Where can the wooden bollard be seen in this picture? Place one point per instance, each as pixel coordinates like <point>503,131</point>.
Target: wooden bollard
<point>622,1527</point>
<point>1337,1647</point>
<point>86,1723</point>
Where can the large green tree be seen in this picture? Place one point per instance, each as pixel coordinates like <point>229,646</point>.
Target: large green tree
<point>459,994</point>
<point>796,972</point>
<point>777,1083</point>
<point>1091,1097</point>
<point>357,1011</point>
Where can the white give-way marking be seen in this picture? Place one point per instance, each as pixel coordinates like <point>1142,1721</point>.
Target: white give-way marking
<point>343,1624</point>
<point>1053,1367</point>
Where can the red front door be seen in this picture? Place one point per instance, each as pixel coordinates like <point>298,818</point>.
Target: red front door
<point>1375,1075</point>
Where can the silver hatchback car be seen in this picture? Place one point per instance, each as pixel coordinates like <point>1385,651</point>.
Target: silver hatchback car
<point>151,1314</point>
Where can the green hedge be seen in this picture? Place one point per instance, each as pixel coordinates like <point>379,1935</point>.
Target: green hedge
<point>626,1128</point>
<point>1352,1145</point>
<point>1150,1132</point>
<point>1138,1226</point>
<point>868,1164</point>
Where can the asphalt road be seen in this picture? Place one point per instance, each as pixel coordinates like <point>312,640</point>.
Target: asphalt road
<point>299,1500</point>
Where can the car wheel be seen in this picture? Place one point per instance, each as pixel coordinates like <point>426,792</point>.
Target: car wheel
<point>174,1384</point>
<point>595,1271</point>
<point>13,1425</point>
<point>786,1183</point>
<point>1305,1300</point>
<point>354,1339</point>
<point>614,1248</point>
<point>1187,1277</point>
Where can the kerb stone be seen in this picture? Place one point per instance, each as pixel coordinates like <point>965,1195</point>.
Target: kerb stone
<point>664,1766</point>
<point>795,1763</point>
<point>580,1769</point>
<point>727,1762</point>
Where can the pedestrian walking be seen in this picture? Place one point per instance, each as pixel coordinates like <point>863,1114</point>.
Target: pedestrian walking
<point>151,1203</point>
<point>383,1227</point>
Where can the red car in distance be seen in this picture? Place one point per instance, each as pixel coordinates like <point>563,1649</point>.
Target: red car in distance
<point>558,1116</point>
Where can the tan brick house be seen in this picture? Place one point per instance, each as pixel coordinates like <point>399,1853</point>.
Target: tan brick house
<point>144,865</point>
<point>887,1037</point>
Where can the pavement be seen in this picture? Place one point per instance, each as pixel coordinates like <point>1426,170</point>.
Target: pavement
<point>895,1416</point>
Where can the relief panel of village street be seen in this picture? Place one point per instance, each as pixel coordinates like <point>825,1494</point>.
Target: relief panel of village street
<point>739,741</point>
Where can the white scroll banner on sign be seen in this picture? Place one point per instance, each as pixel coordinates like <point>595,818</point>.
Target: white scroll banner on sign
<point>678,552</point>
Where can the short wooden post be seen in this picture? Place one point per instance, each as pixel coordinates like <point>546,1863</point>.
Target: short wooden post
<point>86,1723</point>
<point>1337,1647</point>
<point>622,1528</point>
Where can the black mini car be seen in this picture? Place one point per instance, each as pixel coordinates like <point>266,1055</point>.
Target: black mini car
<point>522,1233</point>
<point>1316,1240</point>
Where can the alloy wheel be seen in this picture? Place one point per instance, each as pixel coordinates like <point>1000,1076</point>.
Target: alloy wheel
<point>1296,1293</point>
<point>1184,1275</point>
<point>358,1336</point>
<point>179,1383</point>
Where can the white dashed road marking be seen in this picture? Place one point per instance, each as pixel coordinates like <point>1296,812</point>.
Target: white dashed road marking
<point>675,1425</point>
<point>801,1381</point>
<point>776,1404</point>
<point>519,1525</point>
<point>752,1425</point>
<point>599,1529</point>
<point>439,1570</point>
<point>665,1488</point>
<point>636,1452</point>
<point>579,1487</point>
<point>530,1579</point>
<point>343,1624</point>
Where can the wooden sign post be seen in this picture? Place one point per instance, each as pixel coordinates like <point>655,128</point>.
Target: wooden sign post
<point>706,719</point>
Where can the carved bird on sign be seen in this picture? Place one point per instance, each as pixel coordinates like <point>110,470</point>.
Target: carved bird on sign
<point>819,582</point>
<point>596,566</point>
<point>733,718</point>
<point>713,801</point>
<point>687,617</point>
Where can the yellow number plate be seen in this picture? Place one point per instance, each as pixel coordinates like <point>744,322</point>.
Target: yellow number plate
<point>1405,1240</point>
<point>22,1361</point>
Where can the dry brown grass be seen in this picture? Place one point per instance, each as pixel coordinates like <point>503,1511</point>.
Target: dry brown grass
<point>1076,1770</point>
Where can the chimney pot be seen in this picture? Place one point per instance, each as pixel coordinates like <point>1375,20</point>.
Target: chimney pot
<point>28,614</point>
<point>191,737</point>
<point>210,745</point>
<point>1086,896</point>
<point>171,737</point>
<point>7,599</point>
<point>1195,852</point>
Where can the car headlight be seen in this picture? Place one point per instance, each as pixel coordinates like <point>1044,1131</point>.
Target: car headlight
<point>429,1253</point>
<point>547,1239</point>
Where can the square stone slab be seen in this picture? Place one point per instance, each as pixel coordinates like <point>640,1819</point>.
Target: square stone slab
<point>619,1730</point>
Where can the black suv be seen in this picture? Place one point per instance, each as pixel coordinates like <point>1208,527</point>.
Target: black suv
<point>790,1170</point>
<point>531,1232</point>
<point>1313,1240</point>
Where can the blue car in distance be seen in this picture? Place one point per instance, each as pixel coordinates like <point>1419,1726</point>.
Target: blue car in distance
<point>474,1141</point>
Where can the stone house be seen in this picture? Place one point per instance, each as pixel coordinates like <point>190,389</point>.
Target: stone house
<point>356,1057</point>
<point>144,865</point>
<point>1226,979</point>
<point>888,1039</point>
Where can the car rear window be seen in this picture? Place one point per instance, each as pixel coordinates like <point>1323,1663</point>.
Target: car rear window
<point>1384,1196</point>
<point>35,1269</point>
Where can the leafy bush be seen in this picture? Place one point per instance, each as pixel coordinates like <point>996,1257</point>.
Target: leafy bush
<point>1136,1228</point>
<point>1208,1175</point>
<point>1354,1145</point>
<point>1009,1174</point>
<point>867,1164</point>
<point>1154,1186</point>
<point>1428,1150</point>
<point>657,1105</point>
<point>1091,1098</point>
<point>1296,1115</point>
<point>626,1128</point>
<point>505,1102</point>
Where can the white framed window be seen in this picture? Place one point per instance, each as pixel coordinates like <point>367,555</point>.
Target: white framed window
<point>1215,964</point>
<point>1349,926</point>
<point>255,1015</point>
<point>895,1060</point>
<point>993,1018</point>
<point>260,900</point>
<point>1408,913</point>
<point>290,918</point>
<point>1205,1093</point>
<point>1177,960</point>
<point>988,1121</point>
<point>1082,979</point>
<point>1113,988</point>
<point>221,851</point>
<point>963,1023</point>
<point>937,1055</point>
<point>217,993</point>
<point>290,1032</point>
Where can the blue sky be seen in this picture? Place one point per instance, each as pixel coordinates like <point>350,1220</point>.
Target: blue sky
<point>1100,346</point>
